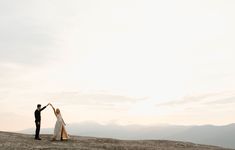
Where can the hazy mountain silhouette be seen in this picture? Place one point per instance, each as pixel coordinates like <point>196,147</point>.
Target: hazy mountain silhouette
<point>207,134</point>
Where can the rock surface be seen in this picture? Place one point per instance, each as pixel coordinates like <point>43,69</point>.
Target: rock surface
<point>11,141</point>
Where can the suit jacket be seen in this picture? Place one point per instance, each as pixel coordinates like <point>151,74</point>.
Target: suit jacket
<point>37,114</point>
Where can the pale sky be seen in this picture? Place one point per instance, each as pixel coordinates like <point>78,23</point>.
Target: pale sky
<point>143,62</point>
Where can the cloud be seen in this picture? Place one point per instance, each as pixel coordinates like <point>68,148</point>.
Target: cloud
<point>226,97</point>
<point>223,101</point>
<point>97,98</point>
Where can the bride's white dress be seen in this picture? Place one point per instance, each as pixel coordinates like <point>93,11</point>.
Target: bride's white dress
<point>59,130</point>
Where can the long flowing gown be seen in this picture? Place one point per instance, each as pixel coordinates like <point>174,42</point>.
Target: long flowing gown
<point>60,132</point>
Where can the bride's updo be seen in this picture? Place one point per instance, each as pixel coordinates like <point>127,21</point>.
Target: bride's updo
<point>57,111</point>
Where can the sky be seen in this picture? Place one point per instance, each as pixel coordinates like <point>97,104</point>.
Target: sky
<point>142,62</point>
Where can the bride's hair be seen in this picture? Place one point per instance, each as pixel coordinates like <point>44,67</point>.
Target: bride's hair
<point>57,111</point>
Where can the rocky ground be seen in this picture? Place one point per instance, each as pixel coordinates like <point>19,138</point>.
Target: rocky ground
<point>11,141</point>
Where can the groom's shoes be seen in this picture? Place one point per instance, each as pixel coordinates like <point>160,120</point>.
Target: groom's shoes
<point>38,139</point>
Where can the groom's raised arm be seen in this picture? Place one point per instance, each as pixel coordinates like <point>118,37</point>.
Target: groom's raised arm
<point>44,107</point>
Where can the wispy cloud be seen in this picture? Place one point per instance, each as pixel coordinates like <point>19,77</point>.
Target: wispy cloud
<point>222,101</point>
<point>207,98</point>
<point>97,98</point>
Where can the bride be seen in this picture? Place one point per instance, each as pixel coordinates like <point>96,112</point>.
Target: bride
<point>59,131</point>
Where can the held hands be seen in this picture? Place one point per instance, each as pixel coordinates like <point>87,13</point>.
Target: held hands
<point>50,105</point>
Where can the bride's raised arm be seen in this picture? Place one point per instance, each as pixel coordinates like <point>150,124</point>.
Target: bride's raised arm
<point>53,109</point>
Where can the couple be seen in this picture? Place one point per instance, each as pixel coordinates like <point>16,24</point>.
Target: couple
<point>59,131</point>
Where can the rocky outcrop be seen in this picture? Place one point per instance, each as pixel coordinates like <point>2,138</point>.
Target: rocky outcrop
<point>11,141</point>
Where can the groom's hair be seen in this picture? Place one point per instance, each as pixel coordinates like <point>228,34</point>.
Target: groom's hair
<point>39,105</point>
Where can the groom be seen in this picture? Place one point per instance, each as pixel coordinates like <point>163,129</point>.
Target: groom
<point>37,115</point>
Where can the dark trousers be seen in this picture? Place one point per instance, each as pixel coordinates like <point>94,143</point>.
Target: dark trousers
<point>37,123</point>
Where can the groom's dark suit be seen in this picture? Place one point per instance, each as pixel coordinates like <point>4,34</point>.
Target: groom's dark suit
<point>37,115</point>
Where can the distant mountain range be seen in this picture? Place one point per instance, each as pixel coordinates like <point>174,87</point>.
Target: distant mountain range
<point>206,134</point>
